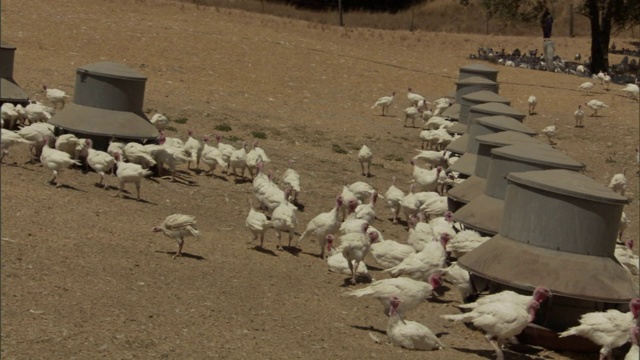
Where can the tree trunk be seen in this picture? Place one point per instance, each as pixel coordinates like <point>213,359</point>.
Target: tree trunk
<point>600,36</point>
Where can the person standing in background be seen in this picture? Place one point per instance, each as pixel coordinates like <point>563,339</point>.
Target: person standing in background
<point>546,22</point>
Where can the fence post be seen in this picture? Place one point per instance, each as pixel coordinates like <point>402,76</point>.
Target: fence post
<point>340,12</point>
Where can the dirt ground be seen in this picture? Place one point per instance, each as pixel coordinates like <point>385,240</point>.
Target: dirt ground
<point>83,277</point>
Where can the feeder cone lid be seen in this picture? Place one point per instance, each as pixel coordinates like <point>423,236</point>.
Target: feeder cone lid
<point>483,213</point>
<point>508,137</point>
<point>485,96</point>
<point>468,190</point>
<point>457,128</point>
<point>465,165</point>
<point>11,92</point>
<point>479,68</point>
<point>476,80</point>
<point>459,145</point>
<point>102,122</point>
<point>570,183</point>
<point>452,112</point>
<point>572,275</point>
<point>505,123</point>
<point>498,109</point>
<point>111,70</point>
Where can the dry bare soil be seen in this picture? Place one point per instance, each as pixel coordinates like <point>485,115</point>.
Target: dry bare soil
<point>83,277</point>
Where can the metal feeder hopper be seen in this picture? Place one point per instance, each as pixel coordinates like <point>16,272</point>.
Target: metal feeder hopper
<point>10,91</point>
<point>459,145</point>
<point>484,213</point>
<point>107,102</point>
<point>558,230</point>
<point>466,164</point>
<point>474,186</point>
<point>467,71</point>
<point>469,100</point>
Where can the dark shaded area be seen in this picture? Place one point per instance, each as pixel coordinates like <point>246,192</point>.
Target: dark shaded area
<point>390,6</point>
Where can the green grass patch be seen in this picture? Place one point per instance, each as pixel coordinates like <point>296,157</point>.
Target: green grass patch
<point>171,128</point>
<point>181,120</point>
<point>339,149</point>
<point>223,127</point>
<point>259,134</point>
<point>233,138</point>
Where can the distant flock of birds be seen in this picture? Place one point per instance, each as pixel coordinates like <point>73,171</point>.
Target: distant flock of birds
<point>418,266</point>
<point>531,60</point>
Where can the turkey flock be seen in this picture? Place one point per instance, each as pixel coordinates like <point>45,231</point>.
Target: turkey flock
<point>415,268</point>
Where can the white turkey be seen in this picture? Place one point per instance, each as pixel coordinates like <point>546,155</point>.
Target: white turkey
<point>413,292</point>
<point>212,157</point>
<point>624,223</point>
<point>56,96</point>
<point>634,351</point>
<point>389,253</point>
<point>129,173</point>
<point>177,227</point>
<point>539,294</point>
<point>412,113</point>
<point>550,132</point>
<point>137,154</point>
<point>253,157</point>
<point>9,139</point>
<point>596,105</point>
<point>632,90</point>
<point>579,116</point>
<point>171,156</point>
<point>393,196</point>
<point>225,149</point>
<point>586,86</point>
<point>355,247</point>
<point>365,157</point>
<point>195,148</point>
<point>291,179</point>
<point>500,321</point>
<point>284,219</point>
<point>409,334</point>
<point>322,225</point>
<point>414,98</point>
<point>420,265</point>
<point>434,207</point>
<point>532,102</point>
<point>159,121</point>
<point>618,182</point>
<point>37,113</point>
<point>384,102</point>
<point>55,161</point>
<point>366,211</point>
<point>420,234</point>
<point>425,180</point>
<point>337,263</point>
<point>115,147</point>
<point>608,329</point>
<point>257,223</point>
<point>625,256</point>
<point>36,134</point>
<point>431,158</point>
<point>460,279</point>
<point>100,161</point>
<point>9,115</point>
<point>361,190</point>
<point>465,241</point>
<point>237,160</point>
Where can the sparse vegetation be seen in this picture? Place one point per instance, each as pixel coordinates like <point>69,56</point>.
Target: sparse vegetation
<point>233,138</point>
<point>171,128</point>
<point>180,120</point>
<point>393,157</point>
<point>259,134</point>
<point>339,149</point>
<point>223,127</point>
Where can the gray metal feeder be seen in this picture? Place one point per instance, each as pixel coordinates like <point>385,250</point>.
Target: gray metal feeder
<point>472,99</point>
<point>465,72</point>
<point>472,84</point>
<point>484,213</point>
<point>474,186</point>
<point>459,145</point>
<point>107,102</point>
<point>10,91</point>
<point>559,230</point>
<point>483,126</point>
<point>478,70</point>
